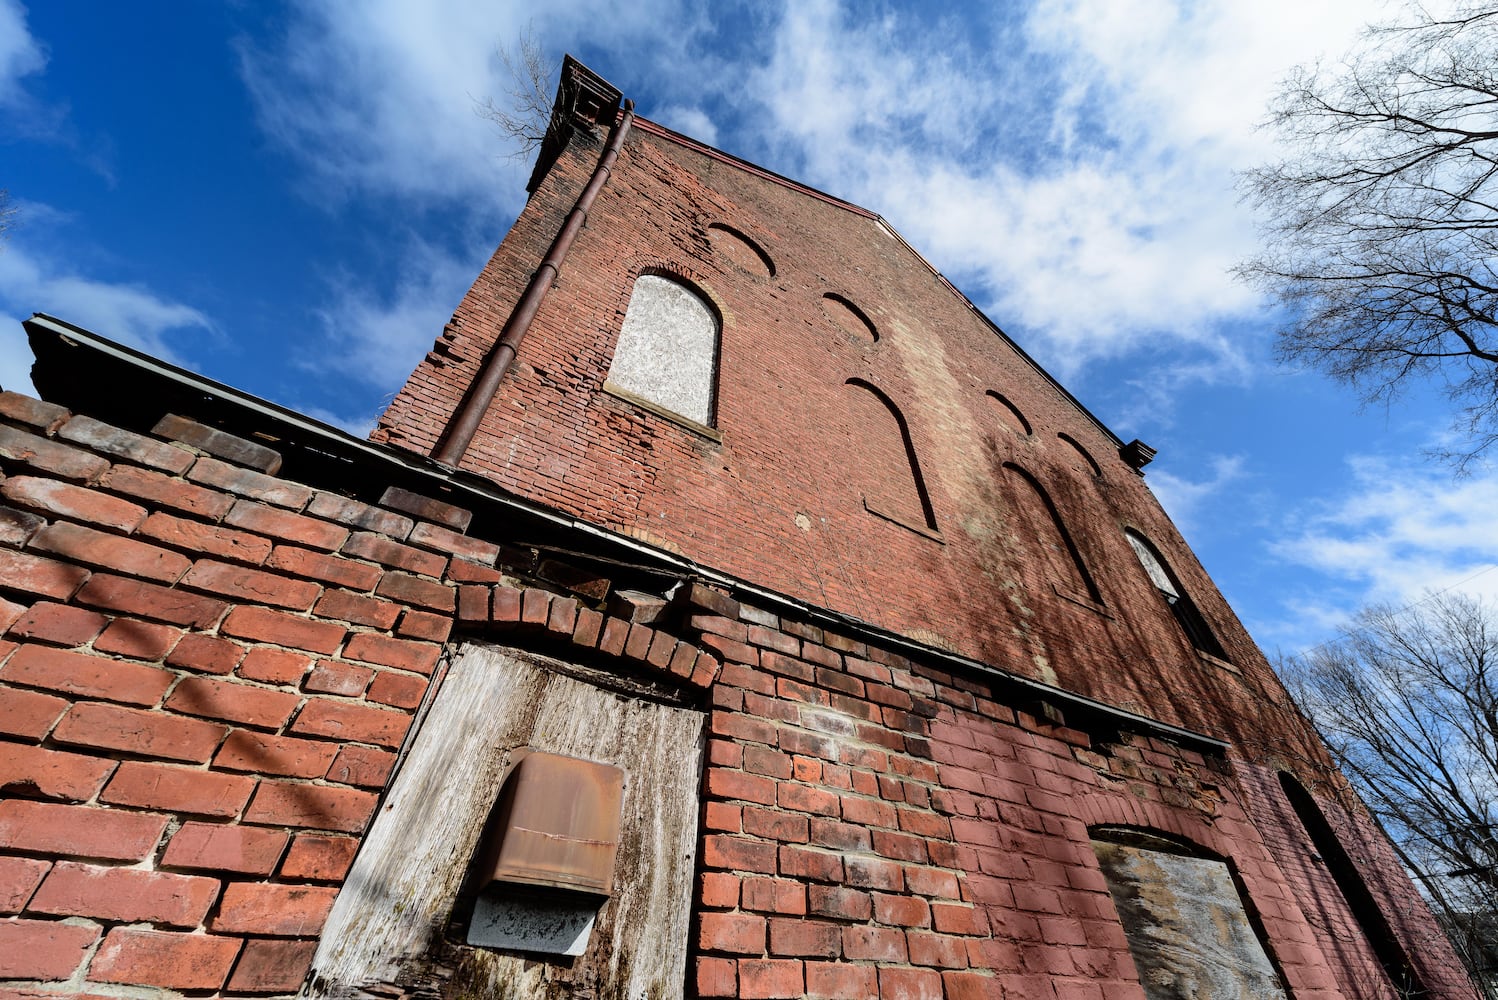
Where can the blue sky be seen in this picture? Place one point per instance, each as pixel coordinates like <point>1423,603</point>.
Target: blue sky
<point>292,198</point>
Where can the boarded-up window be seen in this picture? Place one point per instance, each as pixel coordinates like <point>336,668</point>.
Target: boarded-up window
<point>1188,930</point>
<point>668,349</point>
<point>404,889</point>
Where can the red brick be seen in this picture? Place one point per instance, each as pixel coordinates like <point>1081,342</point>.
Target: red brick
<point>304,531</point>
<point>244,850</point>
<point>426,508</point>
<point>738,854</point>
<point>86,674</point>
<point>431,536</point>
<point>18,527</point>
<point>359,723</point>
<point>314,806</point>
<point>932,882</point>
<point>838,902</point>
<point>333,677</point>
<point>208,539</point>
<point>726,784</point>
<point>283,910</point>
<point>718,890</point>
<point>507,604</point>
<point>717,977</point>
<point>805,798</point>
<point>164,960</point>
<point>841,982</point>
<point>365,545</point>
<point>125,444</point>
<point>425,625</point>
<point>774,895</point>
<point>24,573</point>
<point>396,689</point>
<point>363,766</point>
<point>147,600</point>
<point>284,755</point>
<point>166,491</point>
<point>150,734</point>
<point>63,461</point>
<point>357,608</point>
<point>269,966</point>
<point>137,640</point>
<point>274,666</point>
<point>760,979</point>
<point>78,831</point>
<point>42,949</point>
<point>787,828</point>
<point>265,625</point>
<point>127,895</point>
<point>337,570</point>
<point>403,654</point>
<point>423,593</point>
<point>248,483</point>
<point>938,950</point>
<point>50,774</point>
<point>736,933</point>
<point>32,412</point>
<point>356,514</point>
<point>72,502</point>
<point>61,624</point>
<point>178,789</point>
<point>19,878</point>
<point>28,714</point>
<point>206,653</point>
<point>319,859</point>
<point>124,555</point>
<point>798,862</point>
<point>219,443</point>
<point>252,585</point>
<point>462,571</point>
<point>248,704</point>
<point>910,984</point>
<point>804,937</point>
<point>955,918</point>
<point>10,613</point>
<point>901,911</point>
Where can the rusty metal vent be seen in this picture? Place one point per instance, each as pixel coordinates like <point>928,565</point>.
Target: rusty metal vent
<point>558,825</point>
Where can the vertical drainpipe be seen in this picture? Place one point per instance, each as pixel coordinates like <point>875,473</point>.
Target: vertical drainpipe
<point>465,420</point>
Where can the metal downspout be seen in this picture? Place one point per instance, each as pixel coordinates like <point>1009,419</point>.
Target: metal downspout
<point>465,420</point>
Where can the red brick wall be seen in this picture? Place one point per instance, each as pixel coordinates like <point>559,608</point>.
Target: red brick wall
<point>204,677</point>
<point>206,671</point>
<point>780,501</point>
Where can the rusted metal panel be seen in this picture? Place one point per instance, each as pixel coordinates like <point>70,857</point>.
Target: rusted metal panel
<point>393,913</point>
<point>558,824</point>
<point>1187,928</point>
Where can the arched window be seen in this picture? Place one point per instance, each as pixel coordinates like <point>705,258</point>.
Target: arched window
<point>1185,612</point>
<point>1360,901</point>
<point>667,356</point>
<point>883,459</point>
<point>1052,543</point>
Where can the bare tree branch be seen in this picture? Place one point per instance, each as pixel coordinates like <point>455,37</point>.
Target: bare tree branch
<point>1407,701</point>
<point>1381,225</point>
<point>524,115</point>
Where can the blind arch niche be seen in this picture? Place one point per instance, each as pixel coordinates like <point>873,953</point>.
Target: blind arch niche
<point>667,356</point>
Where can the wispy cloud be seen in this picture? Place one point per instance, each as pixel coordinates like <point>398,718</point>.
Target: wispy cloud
<point>20,54</point>
<point>34,281</point>
<point>1184,498</point>
<point>1397,532</point>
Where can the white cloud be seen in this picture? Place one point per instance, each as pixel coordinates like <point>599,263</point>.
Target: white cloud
<point>131,314</point>
<point>20,54</point>
<point>378,336</point>
<point>1396,533</point>
<point>688,121</point>
<point>1075,172</point>
<point>1184,498</point>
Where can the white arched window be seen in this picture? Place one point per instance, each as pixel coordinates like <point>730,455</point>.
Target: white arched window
<point>668,349</point>
<point>1186,614</point>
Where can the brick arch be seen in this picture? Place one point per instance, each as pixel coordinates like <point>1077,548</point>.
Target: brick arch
<point>888,467</point>
<point>1100,809</point>
<point>550,620</point>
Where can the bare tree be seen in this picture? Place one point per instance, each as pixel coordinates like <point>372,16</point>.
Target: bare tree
<point>1380,224</point>
<point>524,115</point>
<point>1407,701</point>
<point>7,214</point>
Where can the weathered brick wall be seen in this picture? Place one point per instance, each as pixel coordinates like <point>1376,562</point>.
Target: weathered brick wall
<point>204,676</point>
<point>206,672</point>
<point>780,499</point>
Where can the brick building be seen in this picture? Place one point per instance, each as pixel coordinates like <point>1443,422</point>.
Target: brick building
<point>725,607</point>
